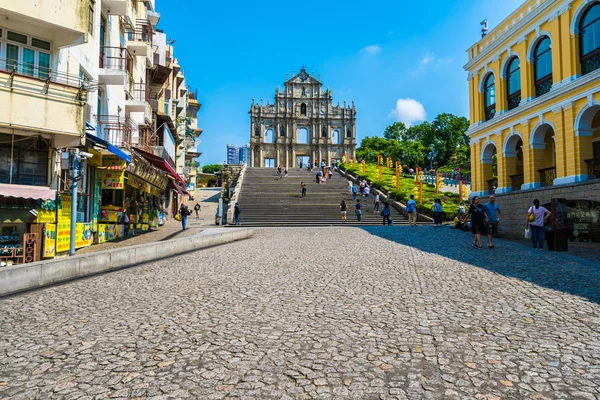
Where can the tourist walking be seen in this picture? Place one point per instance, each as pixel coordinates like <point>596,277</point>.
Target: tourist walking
<point>411,210</point>
<point>197,209</point>
<point>183,213</point>
<point>343,210</point>
<point>358,210</point>
<point>303,189</point>
<point>492,218</point>
<point>536,218</point>
<point>279,172</point>
<point>476,213</point>
<point>318,178</point>
<point>367,192</point>
<point>354,189</point>
<point>438,211</point>
<point>386,212</point>
<point>376,202</point>
<point>330,174</point>
<point>236,213</point>
<point>350,188</point>
<point>285,171</point>
<point>361,188</point>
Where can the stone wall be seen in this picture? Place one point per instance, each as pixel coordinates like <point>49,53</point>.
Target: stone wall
<point>514,205</point>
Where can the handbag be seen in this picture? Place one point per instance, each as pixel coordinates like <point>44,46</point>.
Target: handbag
<point>527,233</point>
<point>531,217</point>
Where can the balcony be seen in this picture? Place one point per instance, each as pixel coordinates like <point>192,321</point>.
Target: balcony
<point>547,176</point>
<point>139,102</point>
<point>116,129</point>
<point>593,168</point>
<point>39,99</point>
<point>517,181</point>
<point>162,152</point>
<point>116,66</point>
<point>139,41</point>
<point>65,22</point>
<point>123,8</point>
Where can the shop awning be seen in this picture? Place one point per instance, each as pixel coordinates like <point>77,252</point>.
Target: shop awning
<point>160,162</point>
<point>104,144</point>
<point>27,192</point>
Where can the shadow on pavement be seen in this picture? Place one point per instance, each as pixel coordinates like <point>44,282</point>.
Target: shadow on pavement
<point>554,270</point>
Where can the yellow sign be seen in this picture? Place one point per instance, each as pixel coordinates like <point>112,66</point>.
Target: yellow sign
<point>46,216</point>
<point>83,234</point>
<point>50,241</point>
<point>64,213</point>
<point>113,174</point>
<point>108,232</point>
<point>63,236</point>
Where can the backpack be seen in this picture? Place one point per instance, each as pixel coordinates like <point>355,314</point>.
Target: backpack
<point>410,208</point>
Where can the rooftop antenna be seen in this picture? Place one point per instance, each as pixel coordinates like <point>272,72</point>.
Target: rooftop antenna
<point>484,28</point>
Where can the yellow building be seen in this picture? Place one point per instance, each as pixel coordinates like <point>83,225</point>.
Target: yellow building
<point>534,89</point>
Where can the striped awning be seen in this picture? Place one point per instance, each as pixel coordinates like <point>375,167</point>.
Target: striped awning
<point>27,192</point>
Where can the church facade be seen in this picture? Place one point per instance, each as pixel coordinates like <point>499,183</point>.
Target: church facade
<point>302,124</point>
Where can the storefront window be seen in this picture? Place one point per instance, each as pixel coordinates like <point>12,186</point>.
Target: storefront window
<point>24,160</point>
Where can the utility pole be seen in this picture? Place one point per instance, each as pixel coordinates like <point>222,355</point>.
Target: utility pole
<point>75,179</point>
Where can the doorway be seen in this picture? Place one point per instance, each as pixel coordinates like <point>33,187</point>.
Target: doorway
<point>269,163</point>
<point>301,161</point>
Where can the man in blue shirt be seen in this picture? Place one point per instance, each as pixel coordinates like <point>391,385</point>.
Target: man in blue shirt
<point>492,216</point>
<point>411,210</point>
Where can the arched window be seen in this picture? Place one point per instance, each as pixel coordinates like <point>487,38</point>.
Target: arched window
<point>303,92</point>
<point>349,133</point>
<point>513,81</point>
<point>489,97</point>
<point>542,67</point>
<point>303,109</point>
<point>590,40</point>
<point>281,131</point>
<point>324,133</point>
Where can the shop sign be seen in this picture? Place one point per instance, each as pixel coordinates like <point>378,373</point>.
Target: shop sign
<point>96,202</point>
<point>64,212</point>
<point>142,185</point>
<point>112,176</point>
<point>44,216</point>
<point>143,169</point>
<point>50,241</point>
<point>63,236</point>
<point>109,216</point>
<point>107,232</point>
<point>83,235</point>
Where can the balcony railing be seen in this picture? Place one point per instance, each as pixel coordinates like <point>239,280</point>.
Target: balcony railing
<point>116,129</point>
<point>142,32</point>
<point>141,92</point>
<point>517,181</point>
<point>593,168</point>
<point>162,152</point>
<point>514,100</point>
<point>547,176</point>
<point>590,63</point>
<point>42,73</point>
<point>543,86</point>
<point>492,185</point>
<point>116,58</point>
<point>490,112</point>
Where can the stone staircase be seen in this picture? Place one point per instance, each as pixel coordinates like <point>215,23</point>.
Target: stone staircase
<point>266,200</point>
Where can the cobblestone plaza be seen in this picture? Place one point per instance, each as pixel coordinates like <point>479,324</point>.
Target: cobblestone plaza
<point>331,313</point>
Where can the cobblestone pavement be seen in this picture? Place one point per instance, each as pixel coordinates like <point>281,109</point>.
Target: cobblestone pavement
<point>208,199</point>
<point>331,313</point>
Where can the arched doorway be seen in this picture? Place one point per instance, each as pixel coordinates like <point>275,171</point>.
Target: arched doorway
<point>335,137</point>
<point>489,164</point>
<point>513,158</point>
<point>587,132</point>
<point>269,136</point>
<point>544,155</point>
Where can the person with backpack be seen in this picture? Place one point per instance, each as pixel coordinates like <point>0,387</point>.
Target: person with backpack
<point>438,211</point>
<point>411,210</point>
<point>385,213</point>
<point>343,210</point>
<point>183,213</point>
<point>477,215</point>
<point>236,213</point>
<point>358,210</point>
<point>197,209</point>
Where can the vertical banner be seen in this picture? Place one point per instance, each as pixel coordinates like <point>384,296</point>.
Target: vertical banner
<point>49,240</point>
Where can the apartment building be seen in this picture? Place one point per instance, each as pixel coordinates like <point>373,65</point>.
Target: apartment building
<point>100,78</point>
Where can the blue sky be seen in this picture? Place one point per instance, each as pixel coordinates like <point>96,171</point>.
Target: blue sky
<point>373,52</point>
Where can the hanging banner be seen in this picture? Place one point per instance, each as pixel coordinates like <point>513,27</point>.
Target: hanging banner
<point>63,236</point>
<point>139,183</point>
<point>64,212</point>
<point>50,241</point>
<point>112,174</point>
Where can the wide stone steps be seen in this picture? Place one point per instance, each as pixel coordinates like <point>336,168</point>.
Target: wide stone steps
<point>266,200</point>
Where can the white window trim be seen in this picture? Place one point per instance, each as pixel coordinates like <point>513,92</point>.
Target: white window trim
<point>4,42</point>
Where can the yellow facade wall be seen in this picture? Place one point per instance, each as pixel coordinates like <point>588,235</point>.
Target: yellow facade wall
<point>571,94</point>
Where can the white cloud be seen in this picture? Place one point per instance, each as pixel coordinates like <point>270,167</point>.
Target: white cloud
<point>430,61</point>
<point>371,50</point>
<point>408,111</point>
<point>427,59</point>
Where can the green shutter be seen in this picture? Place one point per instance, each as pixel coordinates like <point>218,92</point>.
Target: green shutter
<point>16,37</point>
<point>40,44</point>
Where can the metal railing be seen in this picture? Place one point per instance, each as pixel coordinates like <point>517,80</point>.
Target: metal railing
<point>116,129</point>
<point>516,181</point>
<point>593,168</point>
<point>162,152</point>
<point>41,73</point>
<point>117,58</point>
<point>547,176</point>
<point>141,92</point>
<point>142,32</point>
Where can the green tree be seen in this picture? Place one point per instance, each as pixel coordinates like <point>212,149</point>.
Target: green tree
<point>211,168</point>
